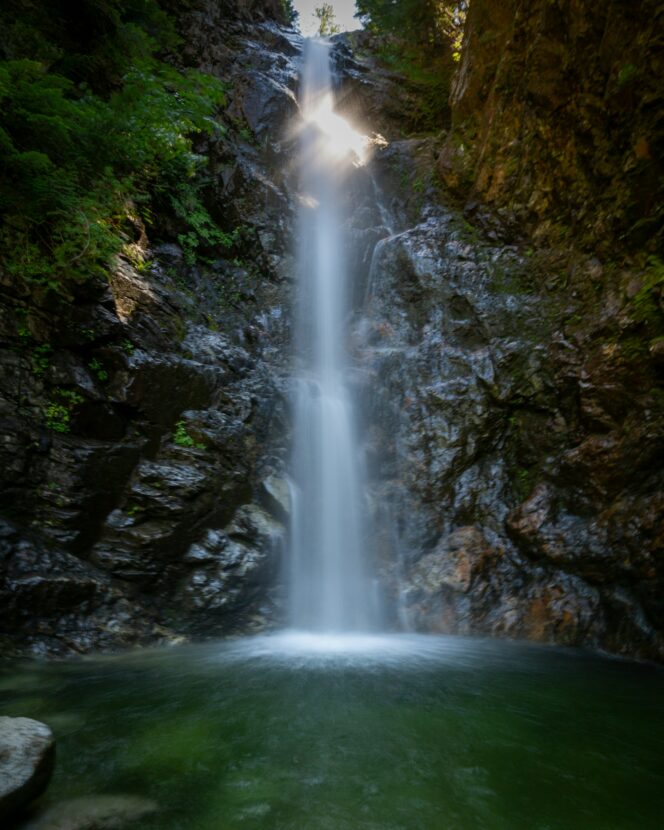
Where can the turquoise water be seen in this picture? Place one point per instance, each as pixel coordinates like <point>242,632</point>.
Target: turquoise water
<point>400,732</point>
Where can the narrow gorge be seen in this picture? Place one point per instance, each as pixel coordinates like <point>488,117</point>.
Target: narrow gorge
<point>332,394</point>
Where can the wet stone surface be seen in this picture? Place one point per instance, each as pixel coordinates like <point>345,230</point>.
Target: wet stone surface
<point>171,394</point>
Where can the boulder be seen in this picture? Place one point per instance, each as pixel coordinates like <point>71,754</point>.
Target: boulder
<point>27,758</point>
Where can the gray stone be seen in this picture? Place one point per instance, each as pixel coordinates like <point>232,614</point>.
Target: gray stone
<point>275,493</point>
<point>27,758</point>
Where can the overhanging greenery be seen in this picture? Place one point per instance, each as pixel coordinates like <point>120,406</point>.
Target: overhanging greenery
<point>92,121</point>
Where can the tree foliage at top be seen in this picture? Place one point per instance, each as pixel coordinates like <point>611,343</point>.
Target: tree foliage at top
<point>422,40</point>
<point>429,24</point>
<point>327,24</point>
<point>290,13</point>
<point>93,124</point>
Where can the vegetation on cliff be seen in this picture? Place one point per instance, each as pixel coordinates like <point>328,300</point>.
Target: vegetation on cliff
<point>95,130</point>
<point>422,41</point>
<point>556,121</point>
<point>327,24</point>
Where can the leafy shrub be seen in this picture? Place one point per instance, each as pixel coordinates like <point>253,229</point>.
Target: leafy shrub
<point>99,370</point>
<point>647,304</point>
<point>626,74</point>
<point>86,131</point>
<point>182,438</point>
<point>41,359</point>
<point>289,12</point>
<point>202,231</point>
<point>57,414</point>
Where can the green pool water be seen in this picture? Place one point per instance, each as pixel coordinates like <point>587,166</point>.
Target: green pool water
<point>399,732</point>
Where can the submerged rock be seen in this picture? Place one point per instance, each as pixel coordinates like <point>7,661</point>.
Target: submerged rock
<point>94,812</point>
<point>27,759</point>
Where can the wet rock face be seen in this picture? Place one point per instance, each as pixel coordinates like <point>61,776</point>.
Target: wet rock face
<point>374,98</point>
<point>142,416</point>
<point>512,399</point>
<point>230,569</point>
<point>523,492</point>
<point>27,758</point>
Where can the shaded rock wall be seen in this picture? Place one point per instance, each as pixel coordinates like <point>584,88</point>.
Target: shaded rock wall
<point>557,114</point>
<point>141,415</point>
<point>527,499</point>
<point>513,391</point>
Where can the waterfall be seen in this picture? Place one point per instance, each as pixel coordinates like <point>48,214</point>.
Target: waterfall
<point>329,588</point>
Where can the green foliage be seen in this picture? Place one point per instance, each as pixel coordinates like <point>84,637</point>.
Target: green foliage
<point>523,482</point>
<point>289,12</point>
<point>647,304</point>
<point>645,308</point>
<point>58,411</point>
<point>41,359</point>
<point>420,23</point>
<point>327,24</point>
<point>56,416</point>
<point>87,129</point>
<point>421,39</point>
<point>633,348</point>
<point>202,231</point>
<point>22,329</point>
<point>99,370</point>
<point>182,438</point>
<point>626,74</point>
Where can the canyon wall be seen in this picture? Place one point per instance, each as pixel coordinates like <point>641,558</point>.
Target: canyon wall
<point>508,343</point>
<point>144,416</point>
<point>515,333</point>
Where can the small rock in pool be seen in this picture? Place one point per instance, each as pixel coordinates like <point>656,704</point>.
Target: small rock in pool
<point>94,812</point>
<point>27,758</point>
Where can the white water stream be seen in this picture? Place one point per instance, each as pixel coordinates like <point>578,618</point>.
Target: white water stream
<point>329,588</point>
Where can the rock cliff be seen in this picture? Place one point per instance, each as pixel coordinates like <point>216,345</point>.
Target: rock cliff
<point>557,120</point>
<point>512,336</point>
<point>507,338</point>
<point>144,416</point>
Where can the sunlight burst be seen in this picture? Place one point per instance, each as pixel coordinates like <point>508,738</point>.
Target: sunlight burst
<point>339,138</point>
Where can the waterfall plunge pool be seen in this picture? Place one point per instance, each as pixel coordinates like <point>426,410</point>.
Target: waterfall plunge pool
<point>310,732</point>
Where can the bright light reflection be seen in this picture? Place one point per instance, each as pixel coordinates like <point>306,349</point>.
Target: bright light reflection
<point>340,139</point>
<point>309,201</point>
<point>300,648</point>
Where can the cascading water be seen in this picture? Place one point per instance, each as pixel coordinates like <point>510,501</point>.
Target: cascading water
<point>329,589</point>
